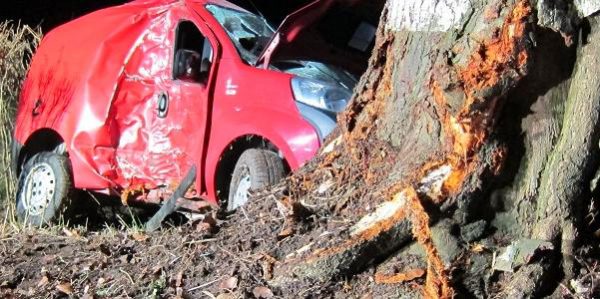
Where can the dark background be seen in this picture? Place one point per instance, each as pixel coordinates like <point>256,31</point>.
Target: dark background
<point>330,35</point>
<point>51,13</point>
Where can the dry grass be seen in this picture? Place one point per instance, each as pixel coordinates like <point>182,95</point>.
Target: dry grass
<point>17,43</point>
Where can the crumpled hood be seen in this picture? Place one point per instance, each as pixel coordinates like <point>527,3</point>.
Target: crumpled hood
<point>291,27</point>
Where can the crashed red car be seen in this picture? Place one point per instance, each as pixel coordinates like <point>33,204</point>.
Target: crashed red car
<point>124,101</point>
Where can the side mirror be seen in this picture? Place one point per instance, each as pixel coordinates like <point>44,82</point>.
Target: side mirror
<point>187,65</point>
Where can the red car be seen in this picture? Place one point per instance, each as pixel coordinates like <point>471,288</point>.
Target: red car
<point>124,101</point>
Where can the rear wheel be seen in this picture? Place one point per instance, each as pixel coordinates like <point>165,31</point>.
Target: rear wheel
<point>44,188</point>
<point>256,169</point>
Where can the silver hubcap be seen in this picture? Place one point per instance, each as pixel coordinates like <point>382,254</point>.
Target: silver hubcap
<point>242,192</point>
<point>40,185</point>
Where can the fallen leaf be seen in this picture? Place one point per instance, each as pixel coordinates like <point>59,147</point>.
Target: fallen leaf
<point>140,237</point>
<point>262,292</point>
<point>347,286</point>
<point>101,281</point>
<point>65,288</point>
<point>225,296</point>
<point>579,287</point>
<point>203,227</point>
<point>86,290</point>
<point>228,283</point>
<point>210,219</point>
<point>285,232</point>
<point>477,248</point>
<point>71,233</point>
<point>43,281</point>
<point>124,259</point>
<point>267,266</point>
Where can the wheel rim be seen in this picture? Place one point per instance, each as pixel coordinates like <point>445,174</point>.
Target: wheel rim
<point>242,192</point>
<point>40,185</point>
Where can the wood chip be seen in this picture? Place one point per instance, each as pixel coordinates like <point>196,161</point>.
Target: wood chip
<point>400,277</point>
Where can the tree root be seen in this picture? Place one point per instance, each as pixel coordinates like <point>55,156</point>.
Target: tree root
<point>437,282</point>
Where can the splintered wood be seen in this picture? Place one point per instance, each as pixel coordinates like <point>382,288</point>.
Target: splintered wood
<point>437,281</point>
<point>399,277</point>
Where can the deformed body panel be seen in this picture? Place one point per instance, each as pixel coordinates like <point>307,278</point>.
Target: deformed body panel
<point>101,81</point>
<point>73,82</point>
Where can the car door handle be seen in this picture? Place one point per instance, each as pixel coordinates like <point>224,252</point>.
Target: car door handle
<point>36,107</point>
<point>163,105</point>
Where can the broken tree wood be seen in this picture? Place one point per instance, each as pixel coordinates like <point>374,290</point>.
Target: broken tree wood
<point>465,121</point>
<point>459,119</point>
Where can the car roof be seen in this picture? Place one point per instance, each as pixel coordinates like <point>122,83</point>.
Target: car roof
<point>223,3</point>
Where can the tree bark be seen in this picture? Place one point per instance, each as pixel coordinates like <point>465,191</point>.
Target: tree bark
<point>474,133</point>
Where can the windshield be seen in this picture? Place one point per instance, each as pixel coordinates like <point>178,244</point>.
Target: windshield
<point>249,33</point>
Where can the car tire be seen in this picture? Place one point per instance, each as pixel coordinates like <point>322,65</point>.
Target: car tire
<point>256,169</point>
<point>44,189</point>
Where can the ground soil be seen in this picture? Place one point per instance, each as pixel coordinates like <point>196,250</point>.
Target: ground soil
<point>232,257</point>
<point>236,256</point>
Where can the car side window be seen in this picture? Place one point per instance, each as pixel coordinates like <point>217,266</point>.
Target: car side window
<point>193,54</point>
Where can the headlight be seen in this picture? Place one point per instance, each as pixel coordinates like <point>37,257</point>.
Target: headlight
<point>323,95</point>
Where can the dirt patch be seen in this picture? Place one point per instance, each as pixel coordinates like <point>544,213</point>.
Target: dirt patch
<point>235,256</point>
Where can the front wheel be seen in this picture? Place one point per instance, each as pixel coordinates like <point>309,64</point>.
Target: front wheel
<point>44,188</point>
<point>256,169</point>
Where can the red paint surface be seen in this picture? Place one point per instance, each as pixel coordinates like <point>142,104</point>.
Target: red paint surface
<point>291,27</point>
<point>96,82</point>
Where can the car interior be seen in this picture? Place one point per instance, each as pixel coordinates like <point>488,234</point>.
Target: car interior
<point>193,54</point>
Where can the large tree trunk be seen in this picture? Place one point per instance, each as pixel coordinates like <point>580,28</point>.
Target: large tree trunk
<point>473,133</point>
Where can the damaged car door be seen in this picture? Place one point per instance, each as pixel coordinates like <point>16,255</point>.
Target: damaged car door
<point>170,76</point>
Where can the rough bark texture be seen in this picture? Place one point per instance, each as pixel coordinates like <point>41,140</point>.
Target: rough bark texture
<point>573,160</point>
<point>467,136</point>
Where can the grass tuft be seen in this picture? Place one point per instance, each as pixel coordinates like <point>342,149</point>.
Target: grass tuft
<point>17,44</point>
